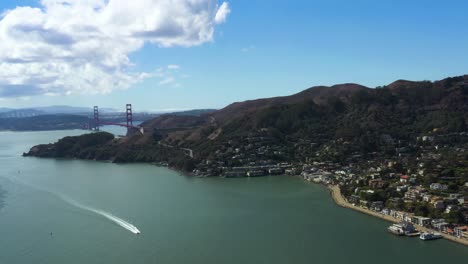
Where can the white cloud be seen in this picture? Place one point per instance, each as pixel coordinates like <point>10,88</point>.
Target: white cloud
<point>167,80</point>
<point>173,67</point>
<point>222,13</point>
<point>169,75</point>
<point>68,47</point>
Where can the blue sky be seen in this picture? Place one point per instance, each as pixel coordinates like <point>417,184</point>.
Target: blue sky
<point>272,48</point>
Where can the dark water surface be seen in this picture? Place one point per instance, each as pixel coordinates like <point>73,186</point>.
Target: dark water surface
<point>182,219</point>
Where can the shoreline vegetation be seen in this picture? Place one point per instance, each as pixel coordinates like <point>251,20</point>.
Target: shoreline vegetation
<point>335,193</point>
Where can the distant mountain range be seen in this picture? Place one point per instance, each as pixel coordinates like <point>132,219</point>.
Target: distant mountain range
<point>44,122</point>
<point>68,117</point>
<point>4,109</point>
<point>47,110</point>
<point>64,109</point>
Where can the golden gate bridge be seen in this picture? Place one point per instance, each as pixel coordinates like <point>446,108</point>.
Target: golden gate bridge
<point>129,120</point>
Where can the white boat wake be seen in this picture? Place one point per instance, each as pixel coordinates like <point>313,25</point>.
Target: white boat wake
<point>107,215</point>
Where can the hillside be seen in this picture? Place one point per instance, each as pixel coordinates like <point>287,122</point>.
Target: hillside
<point>330,122</point>
<point>318,94</point>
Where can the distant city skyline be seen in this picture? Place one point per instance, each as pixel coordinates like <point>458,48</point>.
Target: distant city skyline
<point>180,55</point>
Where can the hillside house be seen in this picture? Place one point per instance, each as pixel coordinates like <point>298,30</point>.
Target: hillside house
<point>404,178</point>
<point>439,204</point>
<point>438,187</point>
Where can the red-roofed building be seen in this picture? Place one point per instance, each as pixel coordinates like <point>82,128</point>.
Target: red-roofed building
<point>404,178</point>
<point>449,230</point>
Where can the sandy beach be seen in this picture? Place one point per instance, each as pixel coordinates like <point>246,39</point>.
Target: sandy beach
<point>339,200</point>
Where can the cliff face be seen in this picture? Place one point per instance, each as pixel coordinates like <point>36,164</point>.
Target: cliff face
<point>351,113</point>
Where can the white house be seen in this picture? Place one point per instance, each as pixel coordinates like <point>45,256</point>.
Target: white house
<point>438,187</point>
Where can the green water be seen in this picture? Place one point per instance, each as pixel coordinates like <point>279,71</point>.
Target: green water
<point>182,219</point>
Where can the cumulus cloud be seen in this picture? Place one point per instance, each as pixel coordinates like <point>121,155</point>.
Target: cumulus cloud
<point>222,13</point>
<point>68,47</point>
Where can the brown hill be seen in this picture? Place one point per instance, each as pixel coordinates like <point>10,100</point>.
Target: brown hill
<point>174,122</point>
<point>316,94</point>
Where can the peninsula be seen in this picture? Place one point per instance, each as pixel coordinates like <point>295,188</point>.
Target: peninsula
<point>399,150</point>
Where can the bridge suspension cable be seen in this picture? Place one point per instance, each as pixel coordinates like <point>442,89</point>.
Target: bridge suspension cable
<point>128,116</point>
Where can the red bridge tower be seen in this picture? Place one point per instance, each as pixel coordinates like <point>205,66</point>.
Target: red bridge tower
<point>129,116</point>
<point>96,118</point>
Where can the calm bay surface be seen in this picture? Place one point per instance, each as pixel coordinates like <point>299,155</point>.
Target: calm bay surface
<point>182,219</point>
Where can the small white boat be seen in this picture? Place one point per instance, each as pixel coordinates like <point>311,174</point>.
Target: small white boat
<point>396,230</point>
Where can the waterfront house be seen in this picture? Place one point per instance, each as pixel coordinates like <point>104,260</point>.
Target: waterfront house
<point>311,176</point>
<point>354,199</point>
<point>461,231</point>
<point>385,211</point>
<point>408,217</point>
<point>441,226</point>
<point>436,221</point>
<point>398,214</point>
<point>449,229</point>
<point>364,203</point>
<point>421,221</point>
<point>401,215</point>
<point>376,206</point>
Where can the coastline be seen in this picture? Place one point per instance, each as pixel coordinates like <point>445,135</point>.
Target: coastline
<point>340,201</point>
